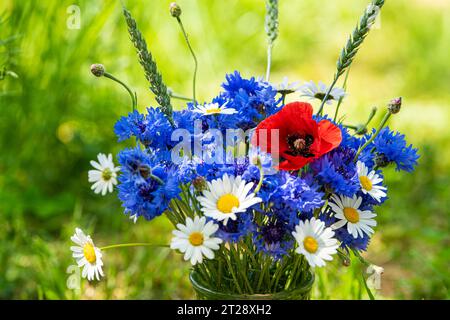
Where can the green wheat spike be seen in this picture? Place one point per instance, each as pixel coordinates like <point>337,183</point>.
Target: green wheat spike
<point>271,24</point>
<point>357,37</point>
<point>353,44</point>
<point>152,74</point>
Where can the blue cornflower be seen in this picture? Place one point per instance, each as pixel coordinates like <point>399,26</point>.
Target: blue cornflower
<point>337,172</point>
<point>129,126</point>
<point>392,147</point>
<point>253,100</point>
<point>349,242</point>
<point>234,83</point>
<point>350,141</point>
<point>187,169</point>
<point>295,195</point>
<point>274,239</point>
<point>146,187</point>
<point>235,230</point>
<point>185,119</point>
<point>153,129</point>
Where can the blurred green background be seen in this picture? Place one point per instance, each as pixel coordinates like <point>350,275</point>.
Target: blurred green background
<point>56,117</point>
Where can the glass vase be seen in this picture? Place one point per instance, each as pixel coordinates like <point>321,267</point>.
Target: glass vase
<point>300,291</point>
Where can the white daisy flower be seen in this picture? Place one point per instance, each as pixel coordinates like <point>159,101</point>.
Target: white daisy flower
<point>194,239</point>
<point>347,211</point>
<point>315,242</point>
<point>286,88</point>
<point>87,255</point>
<point>225,197</point>
<point>105,174</point>
<point>214,108</point>
<point>371,182</point>
<point>313,91</point>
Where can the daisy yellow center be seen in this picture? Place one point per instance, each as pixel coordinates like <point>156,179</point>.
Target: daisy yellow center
<point>365,183</point>
<point>227,202</point>
<point>311,245</point>
<point>351,214</point>
<point>106,174</point>
<point>89,253</point>
<point>213,110</point>
<point>196,238</point>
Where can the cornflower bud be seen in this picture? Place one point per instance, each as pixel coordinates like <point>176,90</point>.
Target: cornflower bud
<point>380,160</point>
<point>175,10</point>
<point>395,105</point>
<point>98,70</point>
<point>199,183</point>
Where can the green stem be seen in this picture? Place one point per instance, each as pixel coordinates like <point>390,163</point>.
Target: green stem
<point>269,61</point>
<point>219,274</point>
<point>368,142</point>
<point>266,264</point>
<point>341,98</point>
<point>193,56</point>
<point>325,98</point>
<point>236,282</point>
<point>180,97</point>
<point>136,244</point>
<point>261,178</point>
<point>276,278</point>
<point>241,268</point>
<point>132,95</point>
<point>284,98</point>
<point>157,179</point>
<point>371,115</point>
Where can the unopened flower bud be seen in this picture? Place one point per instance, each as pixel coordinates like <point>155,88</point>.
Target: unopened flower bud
<point>145,171</point>
<point>175,10</point>
<point>395,105</point>
<point>199,183</point>
<point>361,130</point>
<point>98,70</point>
<point>346,262</point>
<point>380,160</point>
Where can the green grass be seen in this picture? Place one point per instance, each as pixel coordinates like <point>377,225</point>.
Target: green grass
<point>56,117</point>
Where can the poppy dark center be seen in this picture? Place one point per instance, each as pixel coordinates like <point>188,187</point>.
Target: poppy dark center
<point>299,145</point>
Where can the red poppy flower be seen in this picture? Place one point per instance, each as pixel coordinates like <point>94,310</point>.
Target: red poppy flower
<point>301,139</point>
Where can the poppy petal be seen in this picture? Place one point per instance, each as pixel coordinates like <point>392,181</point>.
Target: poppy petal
<point>295,110</point>
<point>330,135</point>
<point>293,163</point>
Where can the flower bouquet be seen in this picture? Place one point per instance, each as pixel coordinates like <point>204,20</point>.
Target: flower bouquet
<point>259,192</point>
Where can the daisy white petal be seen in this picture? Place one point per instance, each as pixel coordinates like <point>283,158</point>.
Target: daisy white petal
<point>104,178</point>
<point>371,183</point>
<point>195,240</point>
<point>213,108</point>
<point>313,91</point>
<point>227,197</point>
<point>315,242</point>
<point>87,255</point>
<point>358,221</point>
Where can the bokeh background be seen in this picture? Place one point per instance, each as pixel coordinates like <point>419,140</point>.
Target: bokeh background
<point>56,117</point>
